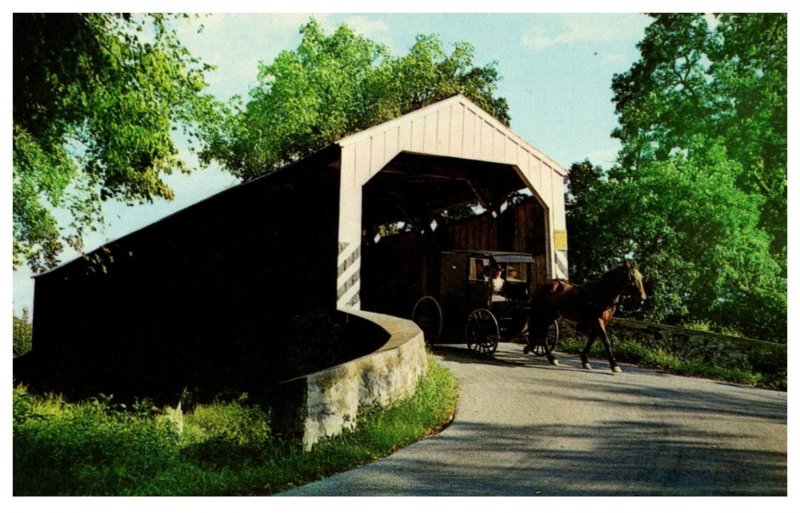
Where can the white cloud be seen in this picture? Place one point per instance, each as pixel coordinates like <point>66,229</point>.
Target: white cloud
<point>571,29</point>
<point>274,24</point>
<point>367,26</point>
<point>236,43</point>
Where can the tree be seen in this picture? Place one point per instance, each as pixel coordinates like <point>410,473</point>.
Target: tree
<point>334,85</point>
<point>697,235</point>
<point>96,100</point>
<point>698,195</point>
<point>588,257</point>
<point>697,86</point>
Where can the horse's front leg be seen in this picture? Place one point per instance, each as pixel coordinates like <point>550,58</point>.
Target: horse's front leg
<point>585,352</point>
<point>612,362</point>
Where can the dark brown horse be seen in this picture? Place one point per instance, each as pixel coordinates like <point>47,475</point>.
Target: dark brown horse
<point>590,305</point>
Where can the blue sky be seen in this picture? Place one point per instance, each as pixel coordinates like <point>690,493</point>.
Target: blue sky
<point>556,69</point>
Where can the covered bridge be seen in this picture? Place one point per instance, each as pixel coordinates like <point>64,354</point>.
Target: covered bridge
<point>212,288</point>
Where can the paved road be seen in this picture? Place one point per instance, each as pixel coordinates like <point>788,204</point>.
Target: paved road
<point>525,428</point>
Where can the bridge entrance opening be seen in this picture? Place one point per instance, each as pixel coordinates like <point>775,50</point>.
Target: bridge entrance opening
<point>419,205</point>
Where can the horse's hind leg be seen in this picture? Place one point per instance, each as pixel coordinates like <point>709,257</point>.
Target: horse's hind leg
<point>537,335</point>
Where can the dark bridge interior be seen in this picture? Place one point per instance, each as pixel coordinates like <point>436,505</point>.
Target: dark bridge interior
<point>420,205</point>
<point>416,188</point>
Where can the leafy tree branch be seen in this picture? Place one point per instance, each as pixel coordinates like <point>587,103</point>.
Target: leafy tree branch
<point>97,98</point>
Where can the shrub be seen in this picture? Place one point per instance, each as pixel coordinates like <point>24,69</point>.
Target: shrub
<point>23,333</point>
<point>91,448</point>
<point>712,328</point>
<point>654,356</point>
<point>226,434</point>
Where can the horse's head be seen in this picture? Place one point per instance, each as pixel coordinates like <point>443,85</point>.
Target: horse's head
<point>635,280</point>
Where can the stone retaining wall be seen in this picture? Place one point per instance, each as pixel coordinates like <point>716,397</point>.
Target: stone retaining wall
<point>723,350</point>
<point>325,403</point>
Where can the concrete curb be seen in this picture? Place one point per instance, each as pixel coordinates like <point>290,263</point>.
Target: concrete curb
<point>325,403</point>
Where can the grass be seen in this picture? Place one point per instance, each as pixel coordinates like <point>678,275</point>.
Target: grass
<point>98,447</point>
<point>660,358</point>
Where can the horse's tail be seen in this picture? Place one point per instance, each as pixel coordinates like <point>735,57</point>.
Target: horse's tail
<point>543,308</point>
<point>542,311</point>
<point>538,323</point>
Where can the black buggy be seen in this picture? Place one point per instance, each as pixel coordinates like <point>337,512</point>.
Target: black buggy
<point>483,297</point>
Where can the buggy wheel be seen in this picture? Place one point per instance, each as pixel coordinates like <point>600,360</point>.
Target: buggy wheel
<point>550,341</point>
<point>428,315</point>
<point>482,332</point>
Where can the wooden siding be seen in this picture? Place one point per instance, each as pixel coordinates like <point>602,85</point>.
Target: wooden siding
<point>521,228</point>
<point>401,268</point>
<point>204,295</point>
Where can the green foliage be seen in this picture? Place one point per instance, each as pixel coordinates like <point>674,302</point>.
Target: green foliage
<point>697,325</point>
<point>699,192</point>
<point>225,434</point>
<point>723,85</point>
<point>590,252</point>
<point>708,326</point>
<point>96,100</point>
<point>631,351</point>
<point>695,233</point>
<point>99,447</point>
<point>93,448</point>
<point>334,85</point>
<point>23,334</point>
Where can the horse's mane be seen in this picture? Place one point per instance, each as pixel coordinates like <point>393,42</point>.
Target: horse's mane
<point>609,276</point>
<point>605,288</point>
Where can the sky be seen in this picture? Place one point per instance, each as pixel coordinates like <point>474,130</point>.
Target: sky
<point>556,71</point>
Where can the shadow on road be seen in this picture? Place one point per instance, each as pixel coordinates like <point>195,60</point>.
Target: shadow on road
<point>629,462</point>
<point>462,354</point>
<point>510,355</point>
<point>619,393</point>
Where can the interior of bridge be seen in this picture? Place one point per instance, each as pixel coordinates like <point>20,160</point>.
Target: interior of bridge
<point>419,205</point>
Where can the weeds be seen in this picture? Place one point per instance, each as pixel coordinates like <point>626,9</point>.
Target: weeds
<point>660,358</point>
<point>99,447</point>
<point>22,335</point>
<point>707,326</point>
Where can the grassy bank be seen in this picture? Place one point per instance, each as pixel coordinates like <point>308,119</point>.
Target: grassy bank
<point>628,351</point>
<point>98,447</point>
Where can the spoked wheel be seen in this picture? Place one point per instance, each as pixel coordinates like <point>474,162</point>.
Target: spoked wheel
<point>428,315</point>
<point>550,340</point>
<point>482,331</point>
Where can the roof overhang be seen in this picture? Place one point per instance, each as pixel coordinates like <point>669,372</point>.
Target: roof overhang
<point>415,187</point>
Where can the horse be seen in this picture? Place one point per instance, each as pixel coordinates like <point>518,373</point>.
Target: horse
<point>591,305</point>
